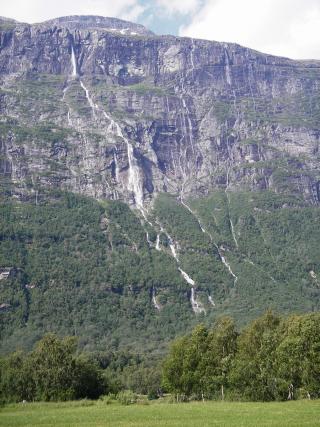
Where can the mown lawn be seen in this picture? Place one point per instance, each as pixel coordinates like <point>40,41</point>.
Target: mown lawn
<point>222,414</point>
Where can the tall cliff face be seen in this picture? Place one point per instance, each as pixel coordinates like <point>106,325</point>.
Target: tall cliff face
<point>215,144</point>
<point>104,108</point>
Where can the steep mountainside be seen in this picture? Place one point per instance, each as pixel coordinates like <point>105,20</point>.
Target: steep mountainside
<point>214,146</point>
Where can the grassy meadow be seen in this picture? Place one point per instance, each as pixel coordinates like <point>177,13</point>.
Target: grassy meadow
<point>222,414</point>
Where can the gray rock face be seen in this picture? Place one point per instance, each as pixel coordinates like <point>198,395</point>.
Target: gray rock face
<point>105,108</point>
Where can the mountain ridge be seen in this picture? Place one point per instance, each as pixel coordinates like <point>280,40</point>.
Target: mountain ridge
<point>104,22</point>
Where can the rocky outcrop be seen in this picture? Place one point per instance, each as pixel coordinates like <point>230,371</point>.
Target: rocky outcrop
<point>105,108</point>
<point>6,272</point>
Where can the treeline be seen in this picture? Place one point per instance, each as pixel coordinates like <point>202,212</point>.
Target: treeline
<point>54,371</point>
<point>51,372</point>
<point>272,359</point>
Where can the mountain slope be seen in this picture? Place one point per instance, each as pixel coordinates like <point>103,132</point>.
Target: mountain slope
<point>213,145</point>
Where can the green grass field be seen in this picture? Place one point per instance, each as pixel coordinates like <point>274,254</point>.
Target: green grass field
<point>75,414</point>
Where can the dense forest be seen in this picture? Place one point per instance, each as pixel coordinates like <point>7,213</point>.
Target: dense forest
<point>72,265</point>
<point>273,358</point>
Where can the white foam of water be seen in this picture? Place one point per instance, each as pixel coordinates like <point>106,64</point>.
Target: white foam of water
<point>230,219</point>
<point>154,300</point>
<point>158,243</point>
<point>135,181</point>
<point>173,249</point>
<point>223,259</point>
<point>211,301</point>
<point>197,308</point>
<point>148,239</point>
<point>191,55</point>
<point>186,277</point>
<point>190,127</point>
<point>116,165</point>
<point>228,69</point>
<point>74,63</point>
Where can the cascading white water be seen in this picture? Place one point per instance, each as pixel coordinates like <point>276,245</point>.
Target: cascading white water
<point>74,74</point>
<point>158,243</point>
<point>225,262</point>
<point>191,211</point>
<point>186,277</point>
<point>116,166</point>
<point>93,106</point>
<point>74,63</point>
<point>135,181</point>
<point>69,118</point>
<point>191,55</point>
<point>148,239</point>
<point>223,259</point>
<point>190,127</point>
<point>173,249</point>
<point>154,300</point>
<point>63,99</point>
<point>186,123</point>
<point>197,308</point>
<point>233,233</point>
<point>211,301</point>
<point>230,219</point>
<point>228,69</point>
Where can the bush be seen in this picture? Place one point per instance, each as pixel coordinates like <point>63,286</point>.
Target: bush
<point>52,372</point>
<point>127,397</point>
<point>153,395</point>
<point>108,399</point>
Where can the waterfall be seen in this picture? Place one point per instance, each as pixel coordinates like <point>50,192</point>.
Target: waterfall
<point>154,300</point>
<point>89,99</point>
<point>158,243</point>
<point>225,262</point>
<point>230,219</point>
<point>186,277</point>
<point>197,308</point>
<point>228,69</point>
<point>211,301</point>
<point>184,104</point>
<point>192,213</point>
<point>69,118</point>
<point>223,259</point>
<point>172,248</point>
<point>191,56</point>
<point>148,239</point>
<point>116,165</point>
<point>135,181</point>
<point>233,233</point>
<point>74,74</point>
<point>63,99</point>
<point>74,63</point>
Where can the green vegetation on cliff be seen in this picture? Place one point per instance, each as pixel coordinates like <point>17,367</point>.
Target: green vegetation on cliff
<point>80,267</point>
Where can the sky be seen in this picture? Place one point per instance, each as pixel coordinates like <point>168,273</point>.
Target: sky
<point>281,27</point>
